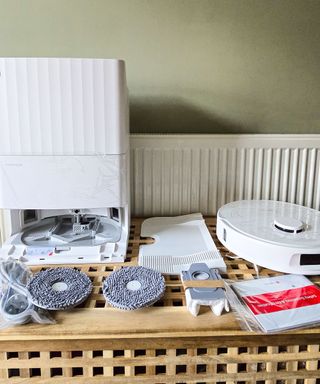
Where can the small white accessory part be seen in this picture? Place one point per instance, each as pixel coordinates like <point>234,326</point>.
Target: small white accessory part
<point>277,235</point>
<point>179,242</point>
<point>215,298</point>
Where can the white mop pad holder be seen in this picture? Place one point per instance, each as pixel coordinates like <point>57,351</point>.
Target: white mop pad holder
<point>204,286</point>
<point>179,242</point>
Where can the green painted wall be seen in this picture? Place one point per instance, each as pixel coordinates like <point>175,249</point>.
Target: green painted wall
<point>193,66</point>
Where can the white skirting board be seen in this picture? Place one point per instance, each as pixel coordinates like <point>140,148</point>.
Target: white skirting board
<point>179,174</point>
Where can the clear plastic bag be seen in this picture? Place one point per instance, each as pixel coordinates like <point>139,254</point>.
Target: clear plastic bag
<point>275,304</point>
<point>239,309</point>
<point>16,306</point>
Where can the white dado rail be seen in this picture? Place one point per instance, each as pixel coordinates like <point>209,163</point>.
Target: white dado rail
<point>176,174</point>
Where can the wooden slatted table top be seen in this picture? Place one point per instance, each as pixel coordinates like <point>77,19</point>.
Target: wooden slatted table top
<point>95,319</point>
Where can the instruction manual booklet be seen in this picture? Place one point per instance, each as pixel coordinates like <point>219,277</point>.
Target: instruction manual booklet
<point>282,302</point>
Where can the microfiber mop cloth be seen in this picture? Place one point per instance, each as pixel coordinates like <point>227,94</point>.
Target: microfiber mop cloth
<point>59,288</point>
<point>133,287</point>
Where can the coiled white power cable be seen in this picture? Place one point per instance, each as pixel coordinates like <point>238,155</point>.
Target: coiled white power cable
<point>16,306</point>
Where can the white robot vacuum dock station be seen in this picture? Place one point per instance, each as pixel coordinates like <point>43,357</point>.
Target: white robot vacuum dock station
<point>64,160</point>
<point>280,236</point>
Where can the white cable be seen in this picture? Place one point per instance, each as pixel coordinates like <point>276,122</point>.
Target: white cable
<point>256,268</point>
<point>15,303</point>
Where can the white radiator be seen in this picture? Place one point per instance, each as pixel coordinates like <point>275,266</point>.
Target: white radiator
<point>177,174</point>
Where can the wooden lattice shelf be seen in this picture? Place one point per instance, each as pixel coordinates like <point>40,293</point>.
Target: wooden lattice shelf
<point>96,343</point>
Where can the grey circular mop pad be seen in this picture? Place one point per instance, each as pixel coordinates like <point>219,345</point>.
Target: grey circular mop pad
<point>133,287</point>
<point>59,288</point>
